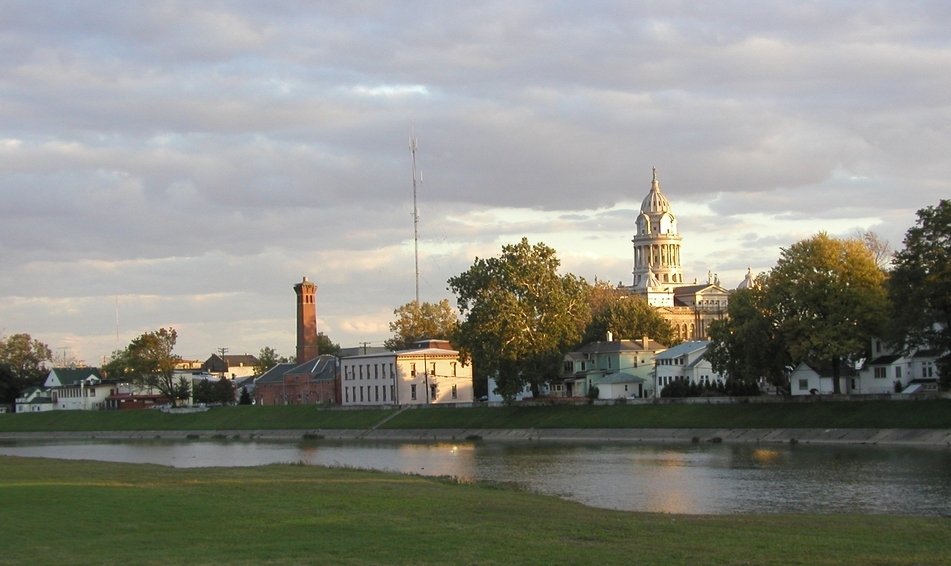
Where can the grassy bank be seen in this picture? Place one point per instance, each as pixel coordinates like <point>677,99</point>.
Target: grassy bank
<point>286,514</point>
<point>855,414</point>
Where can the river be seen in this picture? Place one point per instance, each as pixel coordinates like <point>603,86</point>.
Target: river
<point>674,478</point>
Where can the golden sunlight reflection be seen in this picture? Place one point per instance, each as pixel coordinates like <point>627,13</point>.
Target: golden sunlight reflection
<point>672,487</point>
<point>765,456</point>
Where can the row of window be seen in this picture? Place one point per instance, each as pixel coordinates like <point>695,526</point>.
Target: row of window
<point>388,371</point>
<point>378,393</point>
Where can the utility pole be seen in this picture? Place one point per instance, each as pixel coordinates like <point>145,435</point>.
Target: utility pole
<point>413,146</point>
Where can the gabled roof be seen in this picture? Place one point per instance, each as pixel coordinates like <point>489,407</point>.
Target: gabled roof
<point>275,374</point>
<point>72,376</point>
<point>682,349</point>
<point>321,367</point>
<point>825,370</point>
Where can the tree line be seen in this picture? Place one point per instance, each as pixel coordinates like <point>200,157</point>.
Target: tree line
<point>516,316</point>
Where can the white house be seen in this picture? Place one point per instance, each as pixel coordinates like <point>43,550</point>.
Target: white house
<point>889,371</point>
<point>430,373</point>
<point>685,362</point>
<point>808,379</point>
<point>34,400</point>
<point>494,396</point>
<point>74,389</point>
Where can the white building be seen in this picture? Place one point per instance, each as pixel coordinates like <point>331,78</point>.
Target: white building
<point>888,371</point>
<point>685,362</point>
<point>809,379</point>
<point>78,389</point>
<point>431,373</point>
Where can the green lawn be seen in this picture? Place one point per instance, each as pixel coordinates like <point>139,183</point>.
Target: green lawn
<point>823,414</point>
<point>73,512</point>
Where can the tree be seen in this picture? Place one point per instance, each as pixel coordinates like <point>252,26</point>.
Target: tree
<point>245,398</point>
<point>325,346</point>
<point>626,317</point>
<point>829,299</point>
<point>519,315</point>
<point>920,285</point>
<point>148,361</point>
<point>418,321</point>
<point>269,358</point>
<point>747,344</point>
<point>23,360</point>
<point>880,249</point>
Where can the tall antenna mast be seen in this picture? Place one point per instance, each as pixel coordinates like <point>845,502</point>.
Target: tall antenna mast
<point>413,146</point>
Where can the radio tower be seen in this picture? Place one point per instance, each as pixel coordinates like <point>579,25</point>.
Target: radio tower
<point>413,146</point>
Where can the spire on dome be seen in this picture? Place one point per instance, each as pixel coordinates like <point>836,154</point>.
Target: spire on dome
<point>655,201</point>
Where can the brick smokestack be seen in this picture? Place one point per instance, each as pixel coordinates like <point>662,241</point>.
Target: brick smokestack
<point>306,320</point>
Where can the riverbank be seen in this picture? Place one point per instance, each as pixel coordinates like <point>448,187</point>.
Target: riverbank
<point>936,438</point>
<point>293,514</point>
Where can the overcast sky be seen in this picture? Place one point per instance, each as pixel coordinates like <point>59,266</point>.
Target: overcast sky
<point>184,164</point>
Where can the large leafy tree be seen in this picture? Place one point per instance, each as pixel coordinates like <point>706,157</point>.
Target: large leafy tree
<point>920,285</point>
<point>417,321</point>
<point>22,364</point>
<point>148,362</point>
<point>519,315</point>
<point>268,358</point>
<point>747,344</point>
<point>326,346</point>
<point>829,299</point>
<point>626,316</point>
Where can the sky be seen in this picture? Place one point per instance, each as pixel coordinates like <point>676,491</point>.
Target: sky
<point>184,164</point>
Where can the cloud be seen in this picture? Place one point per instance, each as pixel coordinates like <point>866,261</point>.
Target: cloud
<point>196,160</point>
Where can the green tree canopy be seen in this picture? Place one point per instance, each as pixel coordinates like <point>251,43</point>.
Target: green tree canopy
<point>920,285</point>
<point>326,346</point>
<point>519,315</point>
<point>148,361</point>
<point>23,361</point>
<point>747,344</point>
<point>268,358</point>
<point>418,321</point>
<point>626,316</point>
<point>829,299</point>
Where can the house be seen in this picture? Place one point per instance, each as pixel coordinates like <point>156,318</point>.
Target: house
<point>34,400</point>
<point>231,366</point>
<point>78,388</point>
<point>429,373</point>
<point>685,362</point>
<point>310,383</point>
<point>622,367</point>
<point>525,393</point>
<point>891,371</point>
<point>809,379</point>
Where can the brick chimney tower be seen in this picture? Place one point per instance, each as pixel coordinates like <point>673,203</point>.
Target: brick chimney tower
<point>306,320</point>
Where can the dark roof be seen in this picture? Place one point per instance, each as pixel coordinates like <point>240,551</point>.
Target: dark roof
<point>321,367</point>
<point>825,370</point>
<point>362,351</point>
<point>927,354</point>
<point>70,376</point>
<point>884,360</point>
<point>275,374</point>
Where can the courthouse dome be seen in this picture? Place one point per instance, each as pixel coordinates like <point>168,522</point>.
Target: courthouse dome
<point>655,202</point>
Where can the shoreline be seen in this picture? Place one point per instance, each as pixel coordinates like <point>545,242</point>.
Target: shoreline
<point>936,438</point>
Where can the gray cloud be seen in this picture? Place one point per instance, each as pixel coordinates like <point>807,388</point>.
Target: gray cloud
<point>196,159</point>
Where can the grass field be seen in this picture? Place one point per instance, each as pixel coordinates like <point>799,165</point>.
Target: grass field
<point>858,414</point>
<point>69,512</point>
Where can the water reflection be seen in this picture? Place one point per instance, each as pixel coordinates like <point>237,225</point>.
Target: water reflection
<point>718,479</point>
